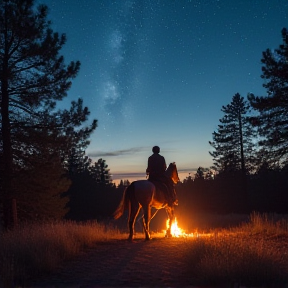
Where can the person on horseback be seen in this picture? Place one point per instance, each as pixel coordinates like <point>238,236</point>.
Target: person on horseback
<point>156,172</point>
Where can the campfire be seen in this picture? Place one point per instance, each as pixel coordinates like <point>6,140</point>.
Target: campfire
<point>177,231</point>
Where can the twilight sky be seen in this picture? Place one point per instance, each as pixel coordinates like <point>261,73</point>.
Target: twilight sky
<point>157,72</point>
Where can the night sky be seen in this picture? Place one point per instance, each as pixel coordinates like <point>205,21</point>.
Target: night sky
<point>157,72</point>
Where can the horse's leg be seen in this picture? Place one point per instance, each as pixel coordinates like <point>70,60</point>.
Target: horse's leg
<point>171,218</point>
<point>134,210</point>
<point>146,221</point>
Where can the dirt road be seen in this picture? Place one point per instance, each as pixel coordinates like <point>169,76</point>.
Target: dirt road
<point>119,263</point>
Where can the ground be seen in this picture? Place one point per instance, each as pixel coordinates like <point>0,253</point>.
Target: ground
<point>120,263</point>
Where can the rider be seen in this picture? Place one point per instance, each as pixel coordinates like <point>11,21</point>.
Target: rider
<point>156,171</point>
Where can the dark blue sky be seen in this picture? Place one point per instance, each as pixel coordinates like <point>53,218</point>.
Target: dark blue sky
<point>157,72</point>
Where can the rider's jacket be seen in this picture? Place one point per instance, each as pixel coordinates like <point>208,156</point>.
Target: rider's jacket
<point>156,166</point>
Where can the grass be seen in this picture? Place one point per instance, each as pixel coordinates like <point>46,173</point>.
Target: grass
<point>34,249</point>
<point>253,253</point>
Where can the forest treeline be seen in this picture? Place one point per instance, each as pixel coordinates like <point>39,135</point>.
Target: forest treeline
<point>45,174</point>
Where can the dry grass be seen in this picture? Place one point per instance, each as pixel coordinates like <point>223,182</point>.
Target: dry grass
<point>254,253</point>
<point>34,249</point>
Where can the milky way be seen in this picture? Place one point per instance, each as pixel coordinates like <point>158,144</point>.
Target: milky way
<point>119,88</point>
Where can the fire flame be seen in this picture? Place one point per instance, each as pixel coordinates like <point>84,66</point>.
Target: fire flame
<point>177,231</point>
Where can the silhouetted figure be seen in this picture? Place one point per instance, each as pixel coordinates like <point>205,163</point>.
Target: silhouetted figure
<point>156,171</point>
<point>156,165</point>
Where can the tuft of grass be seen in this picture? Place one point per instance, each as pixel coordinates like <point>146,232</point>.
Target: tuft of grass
<point>34,249</point>
<point>269,224</point>
<point>252,254</point>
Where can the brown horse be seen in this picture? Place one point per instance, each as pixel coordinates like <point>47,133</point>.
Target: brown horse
<point>143,194</point>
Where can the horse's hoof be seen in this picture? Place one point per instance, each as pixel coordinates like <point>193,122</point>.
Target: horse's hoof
<point>148,237</point>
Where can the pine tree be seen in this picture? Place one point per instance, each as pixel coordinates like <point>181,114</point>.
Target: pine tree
<point>199,175</point>
<point>45,173</point>
<point>272,121</point>
<point>232,142</point>
<point>71,136</point>
<point>39,186</point>
<point>90,188</point>
<point>101,173</point>
<point>33,77</point>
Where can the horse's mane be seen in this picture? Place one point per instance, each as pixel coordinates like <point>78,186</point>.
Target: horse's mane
<point>171,167</point>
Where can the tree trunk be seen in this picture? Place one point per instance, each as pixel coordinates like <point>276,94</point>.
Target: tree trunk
<point>10,213</point>
<point>243,168</point>
<point>9,204</point>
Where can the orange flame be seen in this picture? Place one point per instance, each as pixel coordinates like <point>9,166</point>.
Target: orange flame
<point>177,231</point>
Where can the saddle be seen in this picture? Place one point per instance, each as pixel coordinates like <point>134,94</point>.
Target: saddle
<point>168,191</point>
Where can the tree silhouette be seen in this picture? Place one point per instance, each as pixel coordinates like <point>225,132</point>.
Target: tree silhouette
<point>91,194</point>
<point>33,77</point>
<point>232,142</point>
<point>272,122</point>
<point>100,172</point>
<point>199,175</point>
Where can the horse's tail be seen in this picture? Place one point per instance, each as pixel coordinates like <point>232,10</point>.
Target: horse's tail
<point>124,201</point>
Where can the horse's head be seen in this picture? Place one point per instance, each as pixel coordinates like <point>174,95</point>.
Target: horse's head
<point>173,173</point>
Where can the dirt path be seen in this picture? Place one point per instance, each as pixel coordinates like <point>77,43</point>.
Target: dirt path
<point>119,263</point>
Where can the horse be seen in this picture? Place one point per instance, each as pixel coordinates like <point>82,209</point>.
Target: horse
<point>143,194</point>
